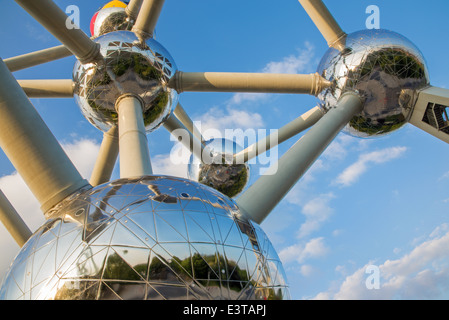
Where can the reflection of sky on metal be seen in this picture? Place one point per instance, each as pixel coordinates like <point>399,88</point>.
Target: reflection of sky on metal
<point>157,235</point>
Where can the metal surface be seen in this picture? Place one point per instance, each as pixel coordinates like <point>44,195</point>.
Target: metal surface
<point>148,238</point>
<point>325,22</point>
<point>106,159</point>
<point>32,148</point>
<point>111,19</point>
<point>48,88</point>
<point>147,18</point>
<point>284,133</point>
<point>52,18</point>
<point>36,58</point>
<point>130,66</point>
<point>379,64</point>
<point>133,144</point>
<point>248,82</point>
<point>262,197</point>
<point>217,169</point>
<point>13,222</point>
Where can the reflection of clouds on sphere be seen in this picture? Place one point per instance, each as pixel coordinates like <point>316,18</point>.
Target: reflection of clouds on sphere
<point>378,64</point>
<point>132,67</point>
<point>218,171</point>
<point>148,238</point>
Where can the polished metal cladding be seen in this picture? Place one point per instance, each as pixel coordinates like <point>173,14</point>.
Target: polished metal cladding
<point>130,66</point>
<point>154,237</point>
<point>218,169</point>
<point>378,64</point>
<point>111,19</point>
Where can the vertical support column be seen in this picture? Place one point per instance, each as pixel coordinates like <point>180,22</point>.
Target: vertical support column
<point>263,196</point>
<point>133,144</point>
<point>13,222</point>
<point>107,157</point>
<point>32,148</point>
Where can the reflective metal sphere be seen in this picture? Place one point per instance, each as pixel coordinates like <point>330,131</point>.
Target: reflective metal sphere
<point>379,64</point>
<point>155,237</point>
<point>130,66</point>
<point>110,19</point>
<point>218,171</point>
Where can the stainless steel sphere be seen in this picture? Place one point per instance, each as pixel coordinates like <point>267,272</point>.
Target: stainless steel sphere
<point>218,171</point>
<point>110,19</point>
<point>129,66</point>
<point>154,237</point>
<point>378,64</point>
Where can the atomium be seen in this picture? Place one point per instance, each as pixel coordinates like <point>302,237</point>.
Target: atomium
<point>154,237</point>
<point>378,64</point>
<point>130,66</point>
<point>219,171</point>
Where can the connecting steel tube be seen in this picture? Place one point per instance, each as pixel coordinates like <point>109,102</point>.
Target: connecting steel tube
<point>291,129</point>
<point>48,88</point>
<point>32,148</point>
<point>52,18</point>
<point>263,196</point>
<point>36,58</point>
<point>107,157</point>
<point>325,22</point>
<point>147,19</point>
<point>13,222</point>
<point>248,82</point>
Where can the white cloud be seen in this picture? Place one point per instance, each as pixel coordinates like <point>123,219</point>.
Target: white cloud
<point>352,173</point>
<point>317,211</point>
<point>172,164</point>
<point>423,273</point>
<point>217,119</point>
<point>300,252</point>
<point>292,64</point>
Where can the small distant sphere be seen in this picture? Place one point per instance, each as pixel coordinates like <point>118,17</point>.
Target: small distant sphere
<point>218,171</point>
<point>151,238</point>
<point>378,64</point>
<point>109,19</point>
<point>130,66</point>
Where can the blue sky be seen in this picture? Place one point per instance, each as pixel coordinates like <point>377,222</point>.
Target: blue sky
<point>381,202</point>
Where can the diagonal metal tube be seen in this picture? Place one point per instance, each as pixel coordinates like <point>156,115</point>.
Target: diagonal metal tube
<point>291,129</point>
<point>36,58</point>
<point>182,116</point>
<point>107,157</point>
<point>48,88</point>
<point>52,18</point>
<point>325,22</point>
<point>186,136</point>
<point>12,221</point>
<point>263,196</point>
<point>133,8</point>
<point>147,19</point>
<point>249,82</point>
<point>32,148</point>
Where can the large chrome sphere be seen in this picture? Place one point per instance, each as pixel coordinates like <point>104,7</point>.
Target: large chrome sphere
<point>155,237</point>
<point>129,66</point>
<point>379,64</point>
<point>218,170</point>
